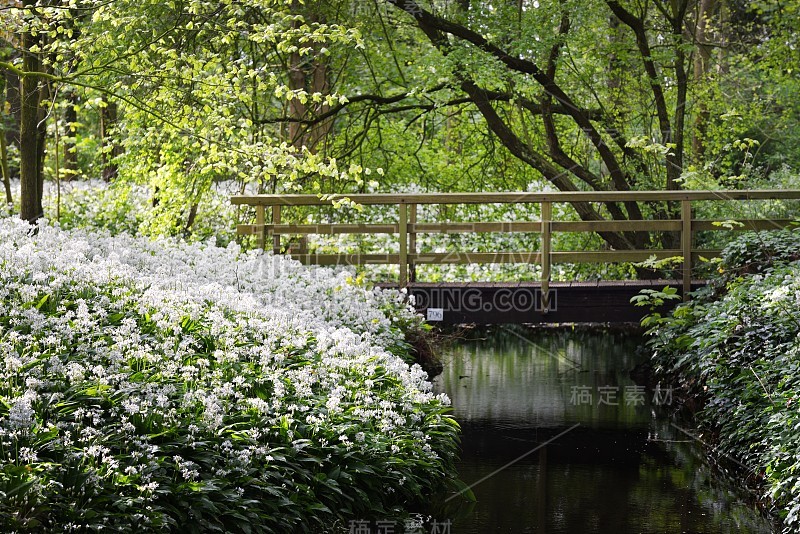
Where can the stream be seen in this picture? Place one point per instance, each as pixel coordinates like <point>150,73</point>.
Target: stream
<point>557,438</point>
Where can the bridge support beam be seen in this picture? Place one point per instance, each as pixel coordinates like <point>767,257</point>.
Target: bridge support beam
<point>403,280</point>
<point>412,242</point>
<point>276,238</point>
<point>504,303</point>
<point>547,216</point>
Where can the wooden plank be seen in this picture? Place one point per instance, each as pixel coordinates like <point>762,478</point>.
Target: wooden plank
<point>612,256</point>
<point>615,226</point>
<point>440,258</point>
<point>475,227</point>
<point>482,227</point>
<point>747,224</point>
<point>686,247</point>
<point>347,259</point>
<point>517,197</point>
<point>403,259</point>
<point>444,258</point>
<point>247,229</point>
<point>412,241</point>
<point>460,258</point>
<point>320,229</point>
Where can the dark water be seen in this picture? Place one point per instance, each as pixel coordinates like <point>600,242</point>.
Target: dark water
<point>614,461</point>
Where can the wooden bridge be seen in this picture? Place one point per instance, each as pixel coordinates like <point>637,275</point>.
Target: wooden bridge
<point>527,301</point>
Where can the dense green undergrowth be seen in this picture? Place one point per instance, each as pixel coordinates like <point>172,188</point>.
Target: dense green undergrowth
<point>165,386</point>
<point>736,349</point>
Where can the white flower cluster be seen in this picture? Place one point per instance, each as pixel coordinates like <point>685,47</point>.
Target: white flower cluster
<point>109,345</point>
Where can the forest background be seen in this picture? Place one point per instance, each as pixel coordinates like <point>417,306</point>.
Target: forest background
<point>178,104</point>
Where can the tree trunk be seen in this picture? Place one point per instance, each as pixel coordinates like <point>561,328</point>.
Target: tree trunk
<point>702,65</point>
<point>41,137</point>
<point>12,97</point>
<point>30,172</point>
<point>297,110</point>
<point>4,168</point>
<point>187,230</point>
<point>108,121</point>
<point>308,73</point>
<point>4,151</point>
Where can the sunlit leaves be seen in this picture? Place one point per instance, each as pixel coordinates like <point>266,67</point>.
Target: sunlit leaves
<point>196,81</point>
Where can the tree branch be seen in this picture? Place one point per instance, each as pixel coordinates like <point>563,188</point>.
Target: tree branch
<point>430,24</point>
<point>532,107</point>
<point>637,26</point>
<point>21,73</point>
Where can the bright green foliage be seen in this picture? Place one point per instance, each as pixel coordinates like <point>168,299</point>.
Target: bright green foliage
<point>208,92</point>
<point>195,85</point>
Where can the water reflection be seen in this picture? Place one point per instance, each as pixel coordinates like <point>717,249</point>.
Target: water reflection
<point>622,469</point>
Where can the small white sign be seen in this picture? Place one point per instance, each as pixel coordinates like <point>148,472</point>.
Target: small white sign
<point>435,314</point>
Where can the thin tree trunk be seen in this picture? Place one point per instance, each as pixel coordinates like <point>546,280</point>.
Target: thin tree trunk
<point>702,65</point>
<point>30,190</point>
<point>58,176</point>
<point>4,152</point>
<point>12,97</point>
<point>675,162</point>
<point>4,168</point>
<point>187,230</point>
<point>41,137</point>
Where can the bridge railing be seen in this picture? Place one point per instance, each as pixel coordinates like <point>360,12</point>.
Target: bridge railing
<point>408,227</point>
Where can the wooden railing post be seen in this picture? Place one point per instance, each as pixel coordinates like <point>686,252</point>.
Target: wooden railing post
<point>412,242</point>
<point>403,281</point>
<point>547,215</point>
<point>686,246</point>
<point>261,221</point>
<point>276,237</point>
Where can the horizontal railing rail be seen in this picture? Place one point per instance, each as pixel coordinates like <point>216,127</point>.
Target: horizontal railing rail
<point>407,227</point>
<point>516,198</point>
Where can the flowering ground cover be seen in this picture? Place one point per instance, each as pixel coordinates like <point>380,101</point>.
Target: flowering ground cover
<point>159,385</point>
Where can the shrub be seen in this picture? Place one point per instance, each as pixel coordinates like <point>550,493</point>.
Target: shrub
<point>738,352</point>
<point>753,252</point>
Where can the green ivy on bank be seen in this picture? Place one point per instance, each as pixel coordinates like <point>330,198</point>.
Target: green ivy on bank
<point>735,348</point>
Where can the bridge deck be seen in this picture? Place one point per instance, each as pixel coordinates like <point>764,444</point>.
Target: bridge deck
<point>520,302</point>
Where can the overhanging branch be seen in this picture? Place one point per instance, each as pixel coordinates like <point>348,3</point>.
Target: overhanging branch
<point>433,26</point>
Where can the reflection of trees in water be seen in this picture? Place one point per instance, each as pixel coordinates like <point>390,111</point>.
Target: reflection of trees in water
<point>622,470</point>
<point>531,376</point>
